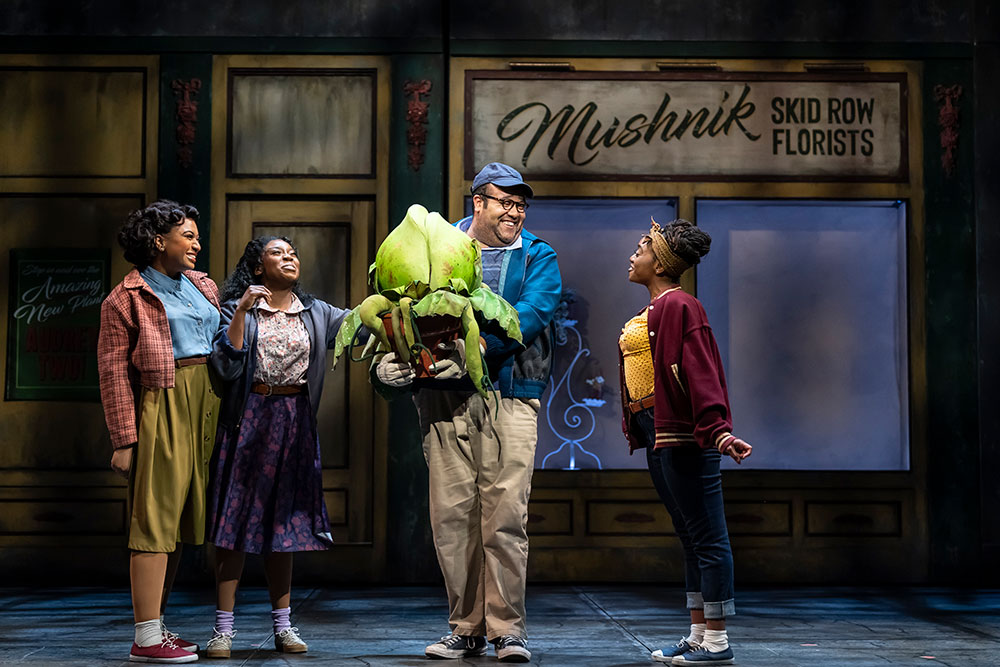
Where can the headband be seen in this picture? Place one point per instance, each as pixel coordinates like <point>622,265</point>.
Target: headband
<point>670,261</point>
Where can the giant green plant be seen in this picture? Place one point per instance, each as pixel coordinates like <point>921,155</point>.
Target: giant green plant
<point>427,267</point>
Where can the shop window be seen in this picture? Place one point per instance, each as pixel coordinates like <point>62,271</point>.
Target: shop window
<point>579,425</point>
<point>808,303</point>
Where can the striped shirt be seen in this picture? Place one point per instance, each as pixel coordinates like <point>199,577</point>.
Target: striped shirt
<point>493,263</point>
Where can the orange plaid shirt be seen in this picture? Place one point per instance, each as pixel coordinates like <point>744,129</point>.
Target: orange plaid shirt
<point>134,349</point>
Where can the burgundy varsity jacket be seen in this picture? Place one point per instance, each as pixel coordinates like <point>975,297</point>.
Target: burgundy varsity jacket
<point>691,403</point>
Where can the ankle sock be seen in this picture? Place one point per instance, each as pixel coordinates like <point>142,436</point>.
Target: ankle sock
<point>715,640</point>
<point>148,633</point>
<point>224,621</point>
<point>697,634</point>
<point>281,620</point>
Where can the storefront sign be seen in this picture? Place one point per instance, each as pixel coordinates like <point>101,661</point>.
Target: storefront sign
<point>54,317</point>
<point>692,126</point>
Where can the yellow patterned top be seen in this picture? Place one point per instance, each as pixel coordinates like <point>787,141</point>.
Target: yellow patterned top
<point>638,359</point>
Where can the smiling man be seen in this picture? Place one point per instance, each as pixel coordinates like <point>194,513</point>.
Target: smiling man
<point>479,512</point>
<point>480,455</point>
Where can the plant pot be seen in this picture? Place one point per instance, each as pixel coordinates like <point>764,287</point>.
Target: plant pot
<point>433,331</point>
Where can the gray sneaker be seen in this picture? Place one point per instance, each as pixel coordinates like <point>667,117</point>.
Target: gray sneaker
<point>702,656</point>
<point>457,646</point>
<point>511,648</point>
<point>667,655</point>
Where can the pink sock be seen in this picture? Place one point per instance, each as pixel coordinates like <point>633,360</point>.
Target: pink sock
<point>280,617</point>
<point>224,621</point>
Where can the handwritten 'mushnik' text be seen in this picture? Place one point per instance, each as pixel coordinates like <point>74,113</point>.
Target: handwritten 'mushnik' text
<point>664,125</point>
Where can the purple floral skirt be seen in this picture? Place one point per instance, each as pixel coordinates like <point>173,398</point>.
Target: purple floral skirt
<point>266,485</point>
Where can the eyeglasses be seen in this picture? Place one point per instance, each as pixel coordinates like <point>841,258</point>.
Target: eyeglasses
<point>507,204</point>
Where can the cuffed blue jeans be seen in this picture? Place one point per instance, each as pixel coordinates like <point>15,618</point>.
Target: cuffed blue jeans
<point>689,482</point>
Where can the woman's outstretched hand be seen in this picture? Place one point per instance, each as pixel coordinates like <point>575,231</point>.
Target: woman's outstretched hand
<point>736,449</point>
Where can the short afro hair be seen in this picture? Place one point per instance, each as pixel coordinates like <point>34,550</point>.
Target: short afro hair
<point>137,237</point>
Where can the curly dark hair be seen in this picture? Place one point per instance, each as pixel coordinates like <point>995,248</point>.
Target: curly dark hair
<point>244,275</point>
<point>687,240</point>
<point>137,237</point>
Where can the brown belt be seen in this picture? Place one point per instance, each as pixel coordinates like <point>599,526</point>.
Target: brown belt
<point>190,361</point>
<point>637,406</point>
<point>277,389</point>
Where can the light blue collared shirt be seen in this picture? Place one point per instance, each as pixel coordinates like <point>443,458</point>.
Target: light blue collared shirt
<point>193,319</point>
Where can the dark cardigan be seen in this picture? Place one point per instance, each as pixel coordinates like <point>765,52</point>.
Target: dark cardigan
<point>236,367</point>
<point>691,403</point>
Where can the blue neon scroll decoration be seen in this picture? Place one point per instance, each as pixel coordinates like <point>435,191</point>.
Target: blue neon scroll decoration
<point>571,417</point>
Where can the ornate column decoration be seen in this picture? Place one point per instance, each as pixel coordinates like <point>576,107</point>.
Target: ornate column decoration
<point>947,97</point>
<point>187,118</point>
<point>578,418</point>
<point>416,116</point>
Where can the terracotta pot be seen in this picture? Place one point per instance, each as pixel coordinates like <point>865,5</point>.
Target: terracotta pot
<point>433,330</point>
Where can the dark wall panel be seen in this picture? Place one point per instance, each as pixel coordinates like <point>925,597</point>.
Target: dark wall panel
<point>717,20</point>
<point>410,546</point>
<point>690,20</point>
<point>953,433</point>
<point>987,133</point>
<point>405,19</point>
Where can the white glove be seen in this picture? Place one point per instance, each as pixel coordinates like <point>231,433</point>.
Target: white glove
<point>453,365</point>
<point>393,372</point>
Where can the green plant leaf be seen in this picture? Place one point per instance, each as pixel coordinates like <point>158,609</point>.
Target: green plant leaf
<point>345,334</point>
<point>414,290</point>
<point>493,307</point>
<point>440,303</point>
<point>453,255</point>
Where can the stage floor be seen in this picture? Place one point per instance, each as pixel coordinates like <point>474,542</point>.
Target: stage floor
<point>588,626</point>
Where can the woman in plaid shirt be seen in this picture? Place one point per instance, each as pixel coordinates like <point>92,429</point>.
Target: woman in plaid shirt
<point>160,406</point>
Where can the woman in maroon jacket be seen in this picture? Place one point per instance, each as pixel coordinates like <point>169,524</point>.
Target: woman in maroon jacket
<point>675,406</point>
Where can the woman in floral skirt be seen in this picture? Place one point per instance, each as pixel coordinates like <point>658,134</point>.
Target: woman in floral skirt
<point>266,487</point>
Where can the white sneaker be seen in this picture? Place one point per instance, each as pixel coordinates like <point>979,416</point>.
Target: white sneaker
<point>220,645</point>
<point>288,641</point>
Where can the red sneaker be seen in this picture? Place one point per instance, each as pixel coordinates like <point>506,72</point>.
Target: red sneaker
<point>190,647</point>
<point>166,652</point>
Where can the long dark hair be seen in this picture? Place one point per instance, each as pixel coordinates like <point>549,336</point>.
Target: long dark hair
<point>137,236</point>
<point>244,274</point>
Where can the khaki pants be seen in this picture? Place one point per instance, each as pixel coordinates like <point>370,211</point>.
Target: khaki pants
<point>169,472</point>
<point>480,466</point>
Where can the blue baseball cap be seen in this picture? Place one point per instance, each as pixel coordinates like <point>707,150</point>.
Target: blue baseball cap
<point>501,176</point>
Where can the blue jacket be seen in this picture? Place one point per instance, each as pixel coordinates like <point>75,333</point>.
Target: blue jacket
<point>236,367</point>
<point>529,281</point>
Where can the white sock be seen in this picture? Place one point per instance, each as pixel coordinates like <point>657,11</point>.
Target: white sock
<point>696,635</point>
<point>148,633</point>
<point>715,640</point>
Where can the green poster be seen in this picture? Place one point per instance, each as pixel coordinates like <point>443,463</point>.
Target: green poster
<point>54,318</point>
